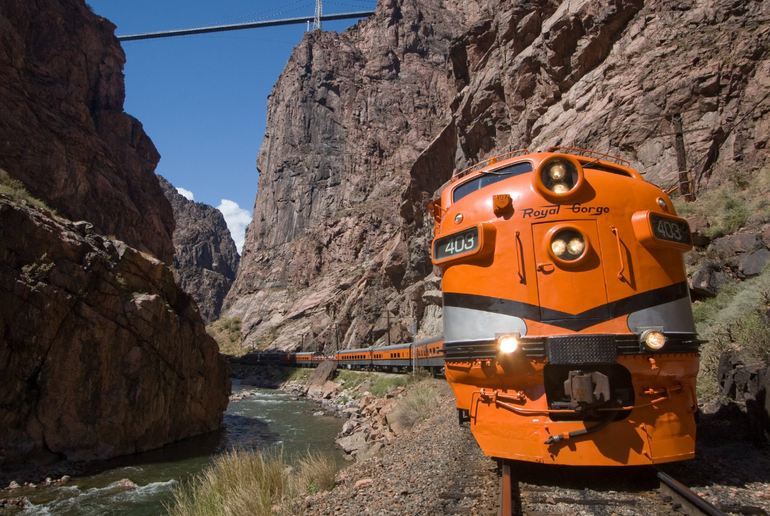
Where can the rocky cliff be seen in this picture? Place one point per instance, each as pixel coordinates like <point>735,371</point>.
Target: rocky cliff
<point>205,257</point>
<point>63,131</point>
<point>364,126</point>
<point>325,255</point>
<point>101,353</point>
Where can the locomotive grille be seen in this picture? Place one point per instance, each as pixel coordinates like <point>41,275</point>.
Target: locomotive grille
<point>581,349</point>
<point>574,349</point>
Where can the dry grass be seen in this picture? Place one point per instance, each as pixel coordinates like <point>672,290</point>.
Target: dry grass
<point>227,332</point>
<point>315,472</point>
<point>378,384</point>
<point>14,189</point>
<point>253,483</point>
<point>416,405</point>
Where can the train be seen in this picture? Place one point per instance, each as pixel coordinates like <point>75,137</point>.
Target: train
<point>426,354</point>
<point>568,336</point>
<point>568,330</point>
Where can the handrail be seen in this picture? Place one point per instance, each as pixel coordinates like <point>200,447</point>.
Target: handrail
<point>588,152</point>
<point>489,161</point>
<point>520,259</point>
<point>621,276</point>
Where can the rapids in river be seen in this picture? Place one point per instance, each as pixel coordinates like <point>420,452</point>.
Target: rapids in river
<point>142,484</point>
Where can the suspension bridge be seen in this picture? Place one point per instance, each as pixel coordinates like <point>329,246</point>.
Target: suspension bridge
<point>313,23</point>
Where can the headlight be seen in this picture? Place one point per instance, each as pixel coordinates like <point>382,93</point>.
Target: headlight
<point>557,171</point>
<point>560,188</point>
<point>558,246</point>
<point>653,339</point>
<point>559,176</point>
<point>568,245</point>
<point>576,246</point>
<point>507,344</point>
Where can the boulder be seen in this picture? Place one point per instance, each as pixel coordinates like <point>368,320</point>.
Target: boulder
<point>705,282</point>
<point>745,384</point>
<point>753,263</point>
<point>353,443</point>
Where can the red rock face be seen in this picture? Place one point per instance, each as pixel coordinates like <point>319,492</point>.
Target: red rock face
<point>101,353</point>
<point>205,257</point>
<point>346,120</point>
<point>363,127</point>
<point>63,131</point>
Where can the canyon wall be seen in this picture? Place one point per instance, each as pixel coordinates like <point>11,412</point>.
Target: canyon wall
<point>326,255</point>
<point>101,353</point>
<point>205,257</point>
<point>63,132</point>
<point>364,126</point>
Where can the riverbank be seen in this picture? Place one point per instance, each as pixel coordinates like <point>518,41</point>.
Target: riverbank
<point>256,419</point>
<point>408,454</point>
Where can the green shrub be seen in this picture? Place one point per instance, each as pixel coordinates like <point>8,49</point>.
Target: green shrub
<point>732,205</point>
<point>300,374</point>
<point>227,332</point>
<point>734,319</point>
<point>378,384</point>
<point>14,189</point>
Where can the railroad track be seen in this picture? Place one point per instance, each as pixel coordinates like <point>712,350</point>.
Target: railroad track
<point>538,489</point>
<point>691,503</point>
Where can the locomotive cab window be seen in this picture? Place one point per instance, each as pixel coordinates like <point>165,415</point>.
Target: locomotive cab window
<point>490,178</point>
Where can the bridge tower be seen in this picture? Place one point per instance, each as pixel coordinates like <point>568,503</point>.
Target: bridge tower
<point>318,14</point>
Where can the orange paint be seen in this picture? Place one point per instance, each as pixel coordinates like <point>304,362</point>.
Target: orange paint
<point>576,254</point>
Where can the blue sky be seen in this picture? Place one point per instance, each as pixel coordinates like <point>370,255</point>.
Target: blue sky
<point>203,99</point>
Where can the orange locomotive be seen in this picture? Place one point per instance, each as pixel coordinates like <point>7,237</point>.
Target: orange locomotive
<point>569,336</point>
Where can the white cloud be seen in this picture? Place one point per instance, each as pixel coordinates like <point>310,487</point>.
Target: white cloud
<point>237,219</point>
<point>187,194</point>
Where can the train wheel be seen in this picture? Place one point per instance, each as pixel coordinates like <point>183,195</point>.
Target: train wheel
<point>510,501</point>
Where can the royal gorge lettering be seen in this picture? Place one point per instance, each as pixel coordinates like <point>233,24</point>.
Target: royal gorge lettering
<point>542,212</point>
<point>554,209</point>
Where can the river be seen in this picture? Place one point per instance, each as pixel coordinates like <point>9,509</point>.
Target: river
<point>264,418</point>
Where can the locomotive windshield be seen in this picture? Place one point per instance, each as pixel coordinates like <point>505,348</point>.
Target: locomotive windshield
<point>490,178</point>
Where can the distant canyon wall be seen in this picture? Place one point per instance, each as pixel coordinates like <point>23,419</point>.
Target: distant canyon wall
<point>205,257</point>
<point>364,126</point>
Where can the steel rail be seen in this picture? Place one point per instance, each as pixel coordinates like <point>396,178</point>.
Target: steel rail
<point>691,503</point>
<point>241,26</point>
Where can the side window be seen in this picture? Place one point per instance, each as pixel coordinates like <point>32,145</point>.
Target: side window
<point>490,178</point>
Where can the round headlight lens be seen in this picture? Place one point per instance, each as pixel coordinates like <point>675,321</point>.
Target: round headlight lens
<point>507,344</point>
<point>576,246</point>
<point>568,245</point>
<point>653,339</point>
<point>560,188</point>
<point>559,176</point>
<point>557,171</point>
<point>558,246</point>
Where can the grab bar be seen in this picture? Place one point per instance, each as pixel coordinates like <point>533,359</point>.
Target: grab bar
<point>621,276</point>
<point>519,259</point>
